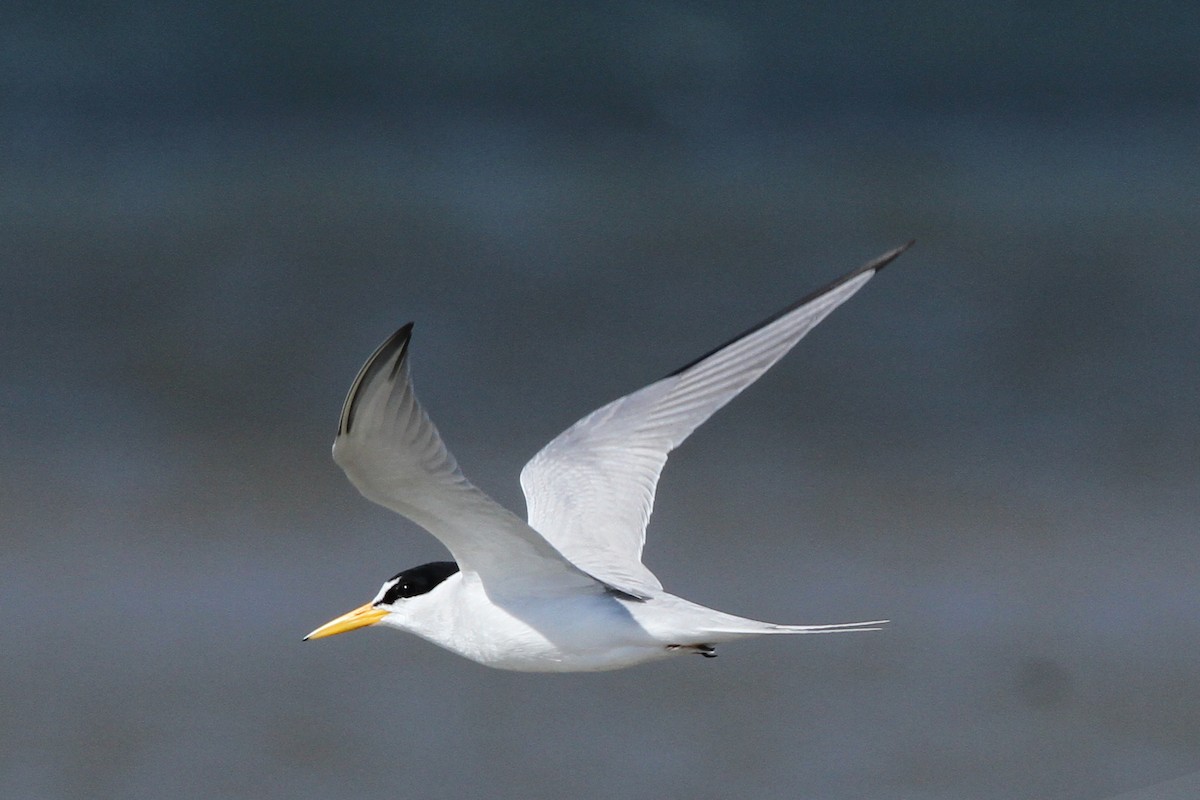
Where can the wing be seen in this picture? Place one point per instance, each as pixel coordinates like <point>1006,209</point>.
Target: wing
<point>591,490</point>
<point>391,451</point>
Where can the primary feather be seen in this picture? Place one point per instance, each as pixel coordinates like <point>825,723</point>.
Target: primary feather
<point>590,491</point>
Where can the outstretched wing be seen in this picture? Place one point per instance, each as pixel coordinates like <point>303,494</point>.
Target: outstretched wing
<point>590,491</point>
<point>391,451</point>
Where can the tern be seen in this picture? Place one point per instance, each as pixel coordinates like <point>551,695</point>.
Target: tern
<point>566,590</point>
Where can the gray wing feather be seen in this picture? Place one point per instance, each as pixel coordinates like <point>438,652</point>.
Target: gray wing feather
<point>392,452</point>
<point>590,491</point>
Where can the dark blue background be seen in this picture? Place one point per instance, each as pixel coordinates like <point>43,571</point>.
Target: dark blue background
<point>210,213</point>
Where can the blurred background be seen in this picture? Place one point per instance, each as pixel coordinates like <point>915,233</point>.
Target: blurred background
<point>211,213</point>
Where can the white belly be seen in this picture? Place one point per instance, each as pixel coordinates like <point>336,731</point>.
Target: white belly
<point>565,634</point>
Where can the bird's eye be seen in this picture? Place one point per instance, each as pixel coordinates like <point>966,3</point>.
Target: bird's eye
<point>416,581</point>
<point>396,591</point>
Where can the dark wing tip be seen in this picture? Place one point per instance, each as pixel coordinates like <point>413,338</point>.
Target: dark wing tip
<point>874,265</point>
<point>394,347</point>
<point>886,258</point>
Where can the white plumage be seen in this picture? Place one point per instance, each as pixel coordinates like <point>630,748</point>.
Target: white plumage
<point>566,590</point>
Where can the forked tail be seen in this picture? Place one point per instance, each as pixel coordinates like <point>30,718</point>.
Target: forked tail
<point>841,627</point>
<point>747,627</point>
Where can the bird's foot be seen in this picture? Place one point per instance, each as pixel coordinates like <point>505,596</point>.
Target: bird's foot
<point>706,650</point>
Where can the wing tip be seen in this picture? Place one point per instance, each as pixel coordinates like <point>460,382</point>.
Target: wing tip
<point>879,263</point>
<point>395,346</point>
<point>872,266</point>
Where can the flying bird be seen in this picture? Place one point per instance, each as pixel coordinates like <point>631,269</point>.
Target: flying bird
<point>564,590</point>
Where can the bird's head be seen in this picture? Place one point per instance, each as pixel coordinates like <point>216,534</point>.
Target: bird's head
<point>392,600</point>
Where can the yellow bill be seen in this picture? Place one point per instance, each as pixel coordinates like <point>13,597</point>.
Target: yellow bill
<point>360,617</point>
